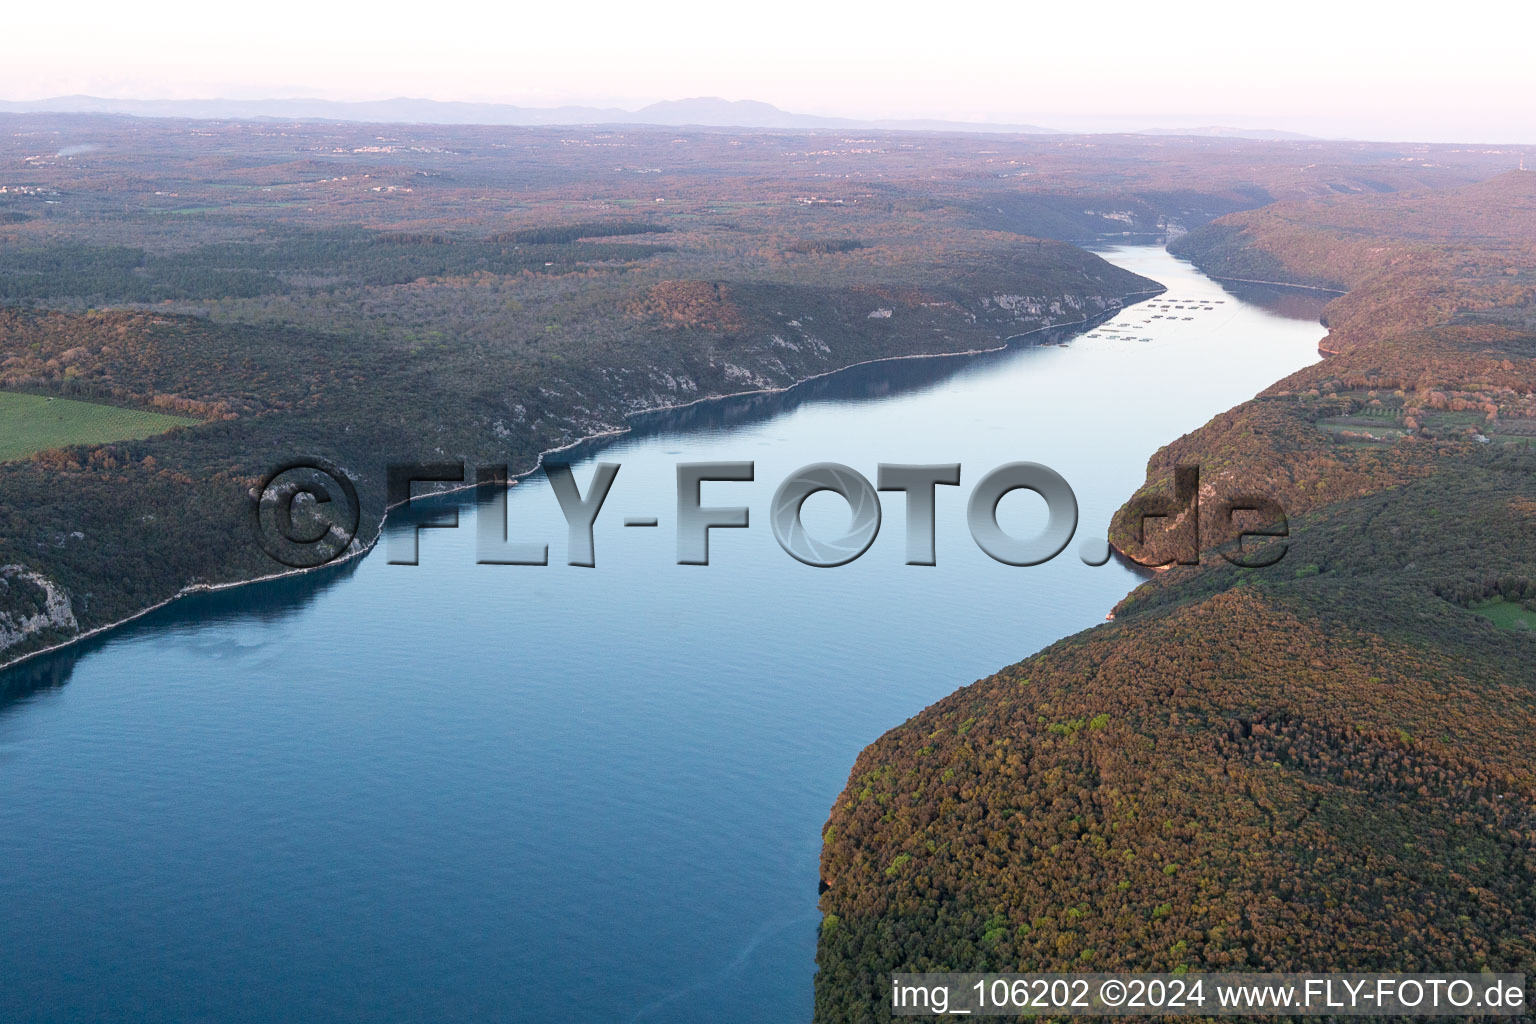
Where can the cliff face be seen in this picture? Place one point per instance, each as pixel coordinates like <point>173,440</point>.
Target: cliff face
<point>33,605</point>
<point>1325,764</point>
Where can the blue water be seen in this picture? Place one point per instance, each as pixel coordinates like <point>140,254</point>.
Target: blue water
<point>463,792</point>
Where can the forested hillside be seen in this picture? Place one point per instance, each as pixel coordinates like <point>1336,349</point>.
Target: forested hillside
<point>1326,764</point>
<point>1430,350</point>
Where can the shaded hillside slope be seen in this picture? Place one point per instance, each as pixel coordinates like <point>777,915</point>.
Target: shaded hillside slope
<point>112,529</point>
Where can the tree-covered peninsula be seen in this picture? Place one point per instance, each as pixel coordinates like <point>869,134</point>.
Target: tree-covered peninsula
<point>1327,764</point>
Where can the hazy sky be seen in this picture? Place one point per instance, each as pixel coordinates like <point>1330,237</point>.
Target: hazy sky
<point>1449,73</point>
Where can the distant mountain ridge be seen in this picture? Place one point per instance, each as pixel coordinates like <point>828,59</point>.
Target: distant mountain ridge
<point>697,112</point>
<point>704,111</point>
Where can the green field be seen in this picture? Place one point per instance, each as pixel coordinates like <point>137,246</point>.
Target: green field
<point>1506,614</point>
<point>33,423</point>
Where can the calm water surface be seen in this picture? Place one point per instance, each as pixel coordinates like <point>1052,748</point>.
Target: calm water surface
<point>456,792</point>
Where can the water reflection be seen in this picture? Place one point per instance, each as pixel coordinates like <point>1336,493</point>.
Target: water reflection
<point>1292,303</point>
<point>870,382</point>
<point>269,601</point>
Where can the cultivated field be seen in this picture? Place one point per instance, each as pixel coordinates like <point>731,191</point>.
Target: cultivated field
<point>32,423</point>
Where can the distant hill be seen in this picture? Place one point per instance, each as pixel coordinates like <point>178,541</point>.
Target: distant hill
<point>704,111</point>
<point>1225,132</point>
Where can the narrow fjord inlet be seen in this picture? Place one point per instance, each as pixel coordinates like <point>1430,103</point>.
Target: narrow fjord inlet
<point>449,789</point>
<point>766,514</point>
